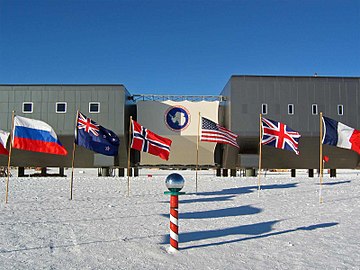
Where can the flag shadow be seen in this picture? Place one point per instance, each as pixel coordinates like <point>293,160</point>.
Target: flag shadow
<point>245,190</point>
<point>220,213</point>
<point>199,200</point>
<point>336,183</point>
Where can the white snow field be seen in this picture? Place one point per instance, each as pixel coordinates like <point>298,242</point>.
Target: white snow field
<point>226,225</point>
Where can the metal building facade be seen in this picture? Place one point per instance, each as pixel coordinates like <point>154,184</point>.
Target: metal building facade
<point>114,107</point>
<point>246,95</point>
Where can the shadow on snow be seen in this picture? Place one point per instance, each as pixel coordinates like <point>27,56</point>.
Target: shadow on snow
<point>244,190</point>
<point>219,213</point>
<point>256,231</point>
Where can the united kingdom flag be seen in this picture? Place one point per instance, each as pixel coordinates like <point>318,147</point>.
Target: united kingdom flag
<point>279,135</point>
<point>147,141</point>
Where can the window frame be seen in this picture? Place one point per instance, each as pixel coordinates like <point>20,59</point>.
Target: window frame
<point>94,102</point>
<point>58,103</point>
<point>27,103</point>
<point>291,105</point>
<point>342,109</point>
<point>314,105</point>
<point>264,108</point>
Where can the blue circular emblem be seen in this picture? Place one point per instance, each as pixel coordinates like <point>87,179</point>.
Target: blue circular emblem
<point>177,118</point>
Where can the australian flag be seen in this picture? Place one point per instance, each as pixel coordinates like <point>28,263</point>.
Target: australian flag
<point>279,135</point>
<point>92,136</point>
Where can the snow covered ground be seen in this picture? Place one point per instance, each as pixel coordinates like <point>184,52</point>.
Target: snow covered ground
<point>225,226</point>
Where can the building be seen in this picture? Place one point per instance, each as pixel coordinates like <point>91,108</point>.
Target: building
<point>297,102</point>
<point>108,105</point>
<point>293,100</point>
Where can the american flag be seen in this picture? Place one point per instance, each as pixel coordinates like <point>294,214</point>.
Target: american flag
<point>147,141</point>
<point>212,132</point>
<point>279,135</point>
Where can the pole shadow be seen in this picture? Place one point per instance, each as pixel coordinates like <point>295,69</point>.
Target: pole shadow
<point>256,231</point>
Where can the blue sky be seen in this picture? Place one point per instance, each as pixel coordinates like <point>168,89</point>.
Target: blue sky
<point>175,47</point>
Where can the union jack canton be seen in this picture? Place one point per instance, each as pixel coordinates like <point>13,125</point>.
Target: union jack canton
<point>95,137</point>
<point>279,135</point>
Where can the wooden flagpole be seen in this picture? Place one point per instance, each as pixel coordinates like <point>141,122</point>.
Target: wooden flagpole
<point>128,165</point>
<point>197,155</point>
<point>321,163</point>
<point>73,158</point>
<point>260,153</point>
<point>9,158</point>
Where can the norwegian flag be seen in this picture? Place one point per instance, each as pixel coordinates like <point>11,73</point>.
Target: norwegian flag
<point>147,141</point>
<point>279,135</point>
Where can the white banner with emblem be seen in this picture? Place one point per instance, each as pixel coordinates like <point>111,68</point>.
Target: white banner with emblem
<point>179,122</point>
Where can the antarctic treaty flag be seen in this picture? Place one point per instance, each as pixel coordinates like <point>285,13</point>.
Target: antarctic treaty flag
<point>37,136</point>
<point>147,141</point>
<point>94,137</point>
<point>340,135</point>
<point>279,135</point>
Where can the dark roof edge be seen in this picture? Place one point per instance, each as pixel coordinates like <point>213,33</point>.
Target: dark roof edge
<point>290,76</point>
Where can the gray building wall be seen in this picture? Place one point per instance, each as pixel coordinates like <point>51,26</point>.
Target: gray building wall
<point>114,104</point>
<point>245,94</point>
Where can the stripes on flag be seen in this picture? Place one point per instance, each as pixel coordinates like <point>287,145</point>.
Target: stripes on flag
<point>212,132</point>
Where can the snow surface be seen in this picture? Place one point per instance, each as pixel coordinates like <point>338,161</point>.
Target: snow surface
<point>227,225</point>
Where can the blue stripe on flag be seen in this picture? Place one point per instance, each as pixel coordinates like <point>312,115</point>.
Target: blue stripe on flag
<point>330,131</point>
<point>34,134</point>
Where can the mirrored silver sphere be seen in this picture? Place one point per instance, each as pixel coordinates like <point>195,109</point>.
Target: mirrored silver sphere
<point>174,181</point>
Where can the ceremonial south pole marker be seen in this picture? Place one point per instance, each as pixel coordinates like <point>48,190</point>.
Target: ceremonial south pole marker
<point>174,182</point>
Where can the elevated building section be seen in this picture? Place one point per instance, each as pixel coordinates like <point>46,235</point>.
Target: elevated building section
<point>297,102</point>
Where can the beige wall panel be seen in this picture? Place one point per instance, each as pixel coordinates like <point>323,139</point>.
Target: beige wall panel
<point>178,121</point>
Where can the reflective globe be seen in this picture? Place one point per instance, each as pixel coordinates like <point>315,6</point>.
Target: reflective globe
<point>174,182</point>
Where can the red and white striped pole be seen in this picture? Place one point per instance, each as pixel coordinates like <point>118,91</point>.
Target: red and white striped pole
<point>174,182</point>
<point>174,223</point>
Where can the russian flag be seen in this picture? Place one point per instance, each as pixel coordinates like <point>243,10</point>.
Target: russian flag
<point>340,135</point>
<point>37,136</point>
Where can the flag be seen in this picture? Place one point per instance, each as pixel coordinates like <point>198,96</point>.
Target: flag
<point>212,132</point>
<point>279,135</point>
<point>92,136</point>
<point>340,135</point>
<point>147,141</point>
<point>326,158</point>
<point>3,140</point>
<point>37,136</point>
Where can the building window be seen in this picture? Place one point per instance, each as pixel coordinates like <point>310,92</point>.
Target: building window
<point>340,109</point>
<point>27,107</point>
<point>94,107</point>
<point>314,109</point>
<point>291,109</point>
<point>264,108</point>
<point>61,107</point>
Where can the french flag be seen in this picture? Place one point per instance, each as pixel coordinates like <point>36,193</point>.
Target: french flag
<point>340,135</point>
<point>37,136</point>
